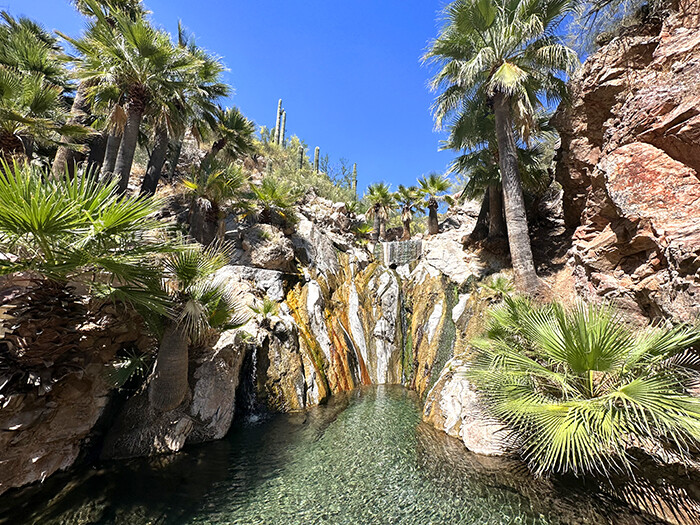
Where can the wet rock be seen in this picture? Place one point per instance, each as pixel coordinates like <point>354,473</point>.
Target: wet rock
<point>453,406</point>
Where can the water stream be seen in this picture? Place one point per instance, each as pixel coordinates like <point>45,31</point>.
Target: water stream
<point>364,458</point>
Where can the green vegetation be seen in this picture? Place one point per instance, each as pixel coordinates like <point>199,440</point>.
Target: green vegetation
<point>504,53</point>
<point>433,188</point>
<point>62,230</point>
<point>577,387</point>
<point>215,190</point>
<point>407,199</point>
<point>380,201</point>
<point>199,304</point>
<point>274,203</point>
<point>33,82</point>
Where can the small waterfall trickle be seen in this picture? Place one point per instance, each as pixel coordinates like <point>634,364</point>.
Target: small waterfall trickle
<point>398,253</point>
<point>249,409</point>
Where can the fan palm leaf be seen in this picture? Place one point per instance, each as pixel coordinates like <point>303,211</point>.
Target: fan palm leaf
<point>577,387</point>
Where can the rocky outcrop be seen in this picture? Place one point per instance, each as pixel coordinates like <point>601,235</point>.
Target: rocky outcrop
<point>46,426</point>
<point>453,406</point>
<point>630,169</point>
<point>204,415</point>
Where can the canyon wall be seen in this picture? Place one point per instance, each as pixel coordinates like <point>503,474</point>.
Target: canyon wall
<point>630,168</point>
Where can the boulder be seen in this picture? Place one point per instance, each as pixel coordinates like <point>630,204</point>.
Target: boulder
<point>48,425</point>
<point>453,406</point>
<point>204,415</point>
<point>265,246</point>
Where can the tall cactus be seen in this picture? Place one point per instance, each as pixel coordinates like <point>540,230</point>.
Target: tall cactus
<point>354,179</point>
<point>275,138</point>
<point>282,129</point>
<point>317,155</point>
<point>301,156</point>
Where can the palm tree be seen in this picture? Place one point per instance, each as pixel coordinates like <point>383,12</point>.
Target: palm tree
<point>273,202</point>
<point>126,59</point>
<point>33,82</point>
<point>215,190</point>
<point>190,108</point>
<point>56,231</point>
<point>381,202</point>
<point>473,131</point>
<point>200,303</point>
<point>578,388</point>
<point>506,52</point>
<point>433,188</point>
<point>407,199</point>
<point>232,133</point>
<point>64,229</point>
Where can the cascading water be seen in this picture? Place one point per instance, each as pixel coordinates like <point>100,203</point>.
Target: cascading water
<point>248,408</point>
<point>398,253</point>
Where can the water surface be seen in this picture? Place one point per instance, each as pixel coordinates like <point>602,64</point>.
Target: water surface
<point>365,458</point>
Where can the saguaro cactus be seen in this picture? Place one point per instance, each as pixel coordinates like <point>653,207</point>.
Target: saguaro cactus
<point>301,156</point>
<point>354,179</point>
<point>317,155</point>
<point>275,139</point>
<point>280,138</point>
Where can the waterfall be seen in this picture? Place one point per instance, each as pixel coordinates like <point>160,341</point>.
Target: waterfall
<point>398,253</point>
<point>248,407</point>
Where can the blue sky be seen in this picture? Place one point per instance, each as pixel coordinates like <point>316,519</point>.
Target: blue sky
<point>349,73</point>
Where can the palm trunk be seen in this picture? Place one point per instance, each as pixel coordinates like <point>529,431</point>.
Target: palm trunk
<point>406,230</point>
<point>96,154</point>
<point>497,226</point>
<point>156,161</point>
<point>204,222</point>
<point>382,229</point>
<point>518,236</point>
<point>377,227</point>
<point>481,228</point>
<point>211,154</point>
<point>66,158</point>
<point>127,149</point>
<point>175,157</point>
<point>169,384</point>
<point>11,146</point>
<point>433,226</point>
<point>114,140</point>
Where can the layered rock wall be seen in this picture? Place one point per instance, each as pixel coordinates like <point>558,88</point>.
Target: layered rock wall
<point>630,168</point>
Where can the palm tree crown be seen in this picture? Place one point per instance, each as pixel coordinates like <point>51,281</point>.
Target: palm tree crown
<point>381,201</point>
<point>433,187</point>
<point>505,53</point>
<point>124,59</point>
<point>407,199</point>
<point>33,81</point>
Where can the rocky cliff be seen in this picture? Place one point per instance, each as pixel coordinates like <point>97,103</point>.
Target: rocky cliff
<point>345,314</point>
<point>630,168</point>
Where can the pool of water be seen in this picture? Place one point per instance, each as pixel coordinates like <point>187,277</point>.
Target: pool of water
<point>364,458</point>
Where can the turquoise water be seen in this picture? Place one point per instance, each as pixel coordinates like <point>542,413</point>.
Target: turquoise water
<point>363,459</point>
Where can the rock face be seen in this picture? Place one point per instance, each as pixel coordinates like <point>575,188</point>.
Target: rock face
<point>453,407</point>
<point>204,415</point>
<point>44,428</point>
<point>630,169</point>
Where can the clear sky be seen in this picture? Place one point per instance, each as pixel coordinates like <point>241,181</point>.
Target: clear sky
<point>349,72</point>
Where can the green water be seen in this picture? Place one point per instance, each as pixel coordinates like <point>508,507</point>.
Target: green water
<point>363,459</point>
